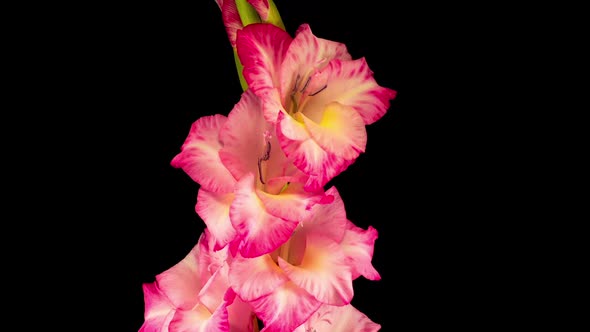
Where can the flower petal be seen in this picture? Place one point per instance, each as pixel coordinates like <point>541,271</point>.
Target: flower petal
<point>240,313</point>
<point>307,155</point>
<point>199,156</point>
<point>231,19</point>
<point>285,308</point>
<point>199,319</point>
<point>328,220</point>
<point>341,131</point>
<point>213,208</point>
<point>213,292</point>
<point>338,318</point>
<point>261,7</point>
<point>243,144</point>
<point>305,54</point>
<point>209,260</point>
<point>158,309</point>
<point>260,231</point>
<point>358,245</point>
<point>252,278</point>
<point>291,205</point>
<point>352,83</point>
<point>182,282</point>
<point>323,272</point>
<point>261,48</point>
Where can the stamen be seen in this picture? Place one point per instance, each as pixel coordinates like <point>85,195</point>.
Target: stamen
<point>260,171</point>
<point>265,157</point>
<point>320,90</point>
<point>293,103</point>
<point>296,83</point>
<point>267,153</point>
<point>306,83</point>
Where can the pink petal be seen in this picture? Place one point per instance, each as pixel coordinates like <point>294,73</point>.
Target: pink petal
<point>295,206</point>
<point>305,54</point>
<point>213,208</point>
<point>252,278</point>
<point>285,308</point>
<point>342,319</point>
<point>328,220</point>
<point>231,19</point>
<point>261,7</point>
<point>261,48</point>
<point>182,283</point>
<point>158,323</point>
<point>358,245</point>
<point>307,155</point>
<point>260,231</point>
<point>244,144</point>
<point>213,292</point>
<point>271,103</point>
<point>199,156</point>
<point>340,131</point>
<point>199,319</point>
<point>323,272</point>
<point>240,313</point>
<point>208,260</point>
<point>158,309</point>
<point>352,83</point>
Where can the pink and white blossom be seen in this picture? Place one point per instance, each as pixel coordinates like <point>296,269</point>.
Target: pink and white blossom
<point>251,195</point>
<point>194,295</point>
<point>319,97</point>
<point>315,267</point>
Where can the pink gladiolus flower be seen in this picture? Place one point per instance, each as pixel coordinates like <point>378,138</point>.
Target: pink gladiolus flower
<point>194,295</point>
<point>318,96</point>
<point>251,195</point>
<point>314,267</point>
<point>342,319</point>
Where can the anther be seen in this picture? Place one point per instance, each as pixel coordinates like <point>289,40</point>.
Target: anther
<point>296,83</point>
<point>265,157</point>
<point>320,90</point>
<point>306,83</point>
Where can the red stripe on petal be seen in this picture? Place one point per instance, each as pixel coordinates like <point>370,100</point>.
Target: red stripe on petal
<point>261,48</point>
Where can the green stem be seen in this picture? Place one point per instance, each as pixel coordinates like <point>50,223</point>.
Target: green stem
<point>274,17</point>
<point>240,69</point>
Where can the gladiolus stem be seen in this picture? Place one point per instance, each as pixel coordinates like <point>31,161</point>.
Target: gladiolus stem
<point>240,68</point>
<point>274,17</point>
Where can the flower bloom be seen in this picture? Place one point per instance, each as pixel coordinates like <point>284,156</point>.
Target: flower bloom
<point>319,97</point>
<point>314,268</point>
<point>277,246</point>
<point>251,195</point>
<point>194,295</point>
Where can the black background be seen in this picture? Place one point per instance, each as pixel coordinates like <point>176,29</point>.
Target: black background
<point>139,74</point>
